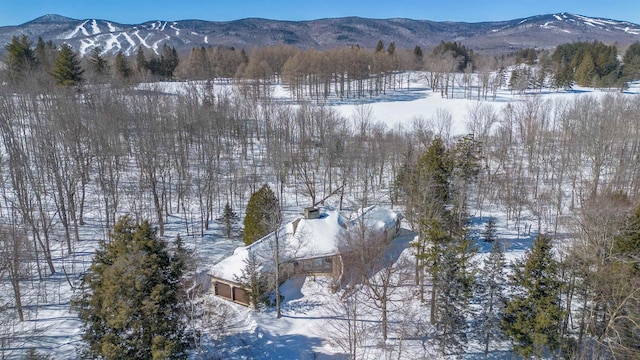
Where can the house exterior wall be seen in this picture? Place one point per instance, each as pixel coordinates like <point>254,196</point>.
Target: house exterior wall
<point>324,265</point>
<point>390,233</point>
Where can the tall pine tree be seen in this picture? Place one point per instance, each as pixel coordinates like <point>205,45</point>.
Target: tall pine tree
<point>66,68</point>
<point>586,72</point>
<point>99,64</point>
<point>262,216</point>
<point>141,61</point>
<point>169,61</point>
<point>228,218</point>
<point>121,66</point>
<point>631,60</point>
<point>131,307</point>
<point>490,291</point>
<point>533,316</point>
<point>454,282</point>
<point>20,58</point>
<point>426,186</point>
<point>490,232</point>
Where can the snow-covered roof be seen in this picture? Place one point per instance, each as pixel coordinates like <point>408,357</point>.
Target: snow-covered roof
<point>303,239</point>
<point>376,217</point>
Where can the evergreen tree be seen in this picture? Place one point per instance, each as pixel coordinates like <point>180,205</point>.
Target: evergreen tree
<point>434,169</point>
<point>563,70</point>
<point>417,52</point>
<point>491,286</point>
<point>99,63</point>
<point>563,76</point>
<point>586,72</point>
<point>404,184</point>
<point>33,354</point>
<point>631,60</point>
<point>542,72</point>
<point>45,53</point>
<point>426,186</point>
<point>379,46</point>
<point>459,52</point>
<point>244,56</point>
<point>464,170</point>
<point>121,66</point>
<point>527,56</point>
<point>391,49</point>
<point>165,65</point>
<point>253,280</point>
<point>20,58</point>
<point>490,232</point>
<point>141,62</point>
<point>418,58</point>
<point>168,61</point>
<point>229,217</point>
<point>66,68</point>
<point>454,282</point>
<point>40,51</point>
<point>533,316</point>
<point>434,241</point>
<point>131,307</point>
<point>588,63</point>
<point>262,216</point>
<point>520,79</point>
<point>607,65</point>
<point>627,244</point>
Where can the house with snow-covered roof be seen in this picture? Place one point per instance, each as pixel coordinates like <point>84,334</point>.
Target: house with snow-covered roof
<point>310,245</point>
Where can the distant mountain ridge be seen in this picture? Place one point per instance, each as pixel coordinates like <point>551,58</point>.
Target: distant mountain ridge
<point>542,31</point>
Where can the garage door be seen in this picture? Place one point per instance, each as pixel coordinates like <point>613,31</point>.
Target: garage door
<point>240,296</point>
<point>223,290</point>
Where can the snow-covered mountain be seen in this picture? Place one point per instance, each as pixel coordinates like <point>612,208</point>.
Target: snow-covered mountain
<point>538,31</point>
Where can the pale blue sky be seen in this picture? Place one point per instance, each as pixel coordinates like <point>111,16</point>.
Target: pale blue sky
<point>15,12</point>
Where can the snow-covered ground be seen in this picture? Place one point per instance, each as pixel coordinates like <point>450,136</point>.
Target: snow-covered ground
<point>310,327</point>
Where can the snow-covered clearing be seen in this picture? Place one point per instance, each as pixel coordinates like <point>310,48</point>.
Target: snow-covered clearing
<point>311,326</point>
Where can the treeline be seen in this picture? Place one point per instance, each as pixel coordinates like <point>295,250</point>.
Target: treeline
<point>592,64</point>
<point>352,72</point>
<point>356,72</point>
<point>48,64</point>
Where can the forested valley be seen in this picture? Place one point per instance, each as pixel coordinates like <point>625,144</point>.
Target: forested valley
<point>176,141</point>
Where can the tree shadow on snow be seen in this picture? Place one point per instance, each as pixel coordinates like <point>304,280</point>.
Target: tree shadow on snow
<point>391,96</point>
<point>261,345</point>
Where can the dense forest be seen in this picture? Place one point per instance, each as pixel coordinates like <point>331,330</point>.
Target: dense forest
<point>104,136</point>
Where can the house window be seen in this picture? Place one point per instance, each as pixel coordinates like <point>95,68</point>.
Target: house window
<point>328,264</point>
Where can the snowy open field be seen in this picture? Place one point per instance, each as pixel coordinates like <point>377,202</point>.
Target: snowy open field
<point>311,327</point>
